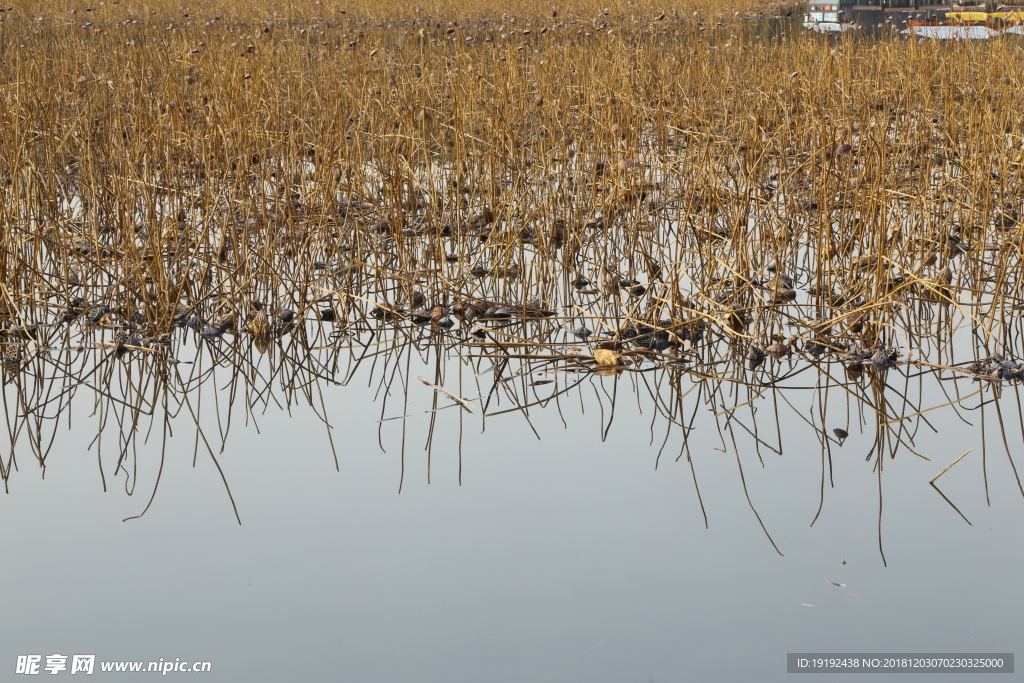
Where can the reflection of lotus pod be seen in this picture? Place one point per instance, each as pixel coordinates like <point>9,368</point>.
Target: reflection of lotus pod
<point>854,371</point>
<point>755,356</point>
<point>498,313</point>
<point>533,311</point>
<point>606,357</point>
<point>76,307</point>
<point>12,358</point>
<point>284,328</point>
<point>26,332</point>
<point>841,434</point>
<point>583,333</point>
<point>120,350</point>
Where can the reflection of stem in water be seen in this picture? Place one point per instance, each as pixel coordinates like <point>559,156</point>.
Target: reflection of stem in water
<point>878,471</point>
<point>296,369</point>
<point>935,478</point>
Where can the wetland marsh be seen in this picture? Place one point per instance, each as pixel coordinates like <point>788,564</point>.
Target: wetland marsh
<point>508,290</point>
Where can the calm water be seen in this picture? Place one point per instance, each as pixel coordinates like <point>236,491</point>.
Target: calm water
<point>559,558</point>
<point>689,519</point>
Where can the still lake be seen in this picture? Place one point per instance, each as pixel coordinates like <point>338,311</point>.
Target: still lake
<point>559,558</point>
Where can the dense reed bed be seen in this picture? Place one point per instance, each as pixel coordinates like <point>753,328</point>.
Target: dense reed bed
<point>691,189</point>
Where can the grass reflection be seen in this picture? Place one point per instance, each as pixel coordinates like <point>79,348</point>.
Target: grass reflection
<point>523,210</point>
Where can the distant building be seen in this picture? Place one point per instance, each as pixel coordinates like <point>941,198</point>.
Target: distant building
<point>838,15</point>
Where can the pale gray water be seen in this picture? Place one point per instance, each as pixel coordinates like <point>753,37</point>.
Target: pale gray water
<point>563,559</point>
<point>567,558</point>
